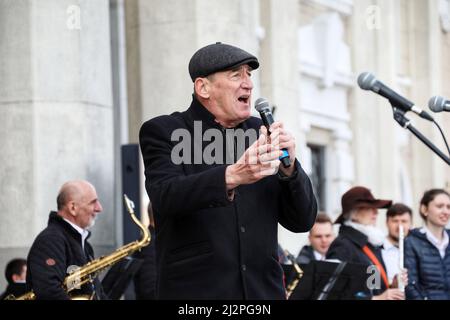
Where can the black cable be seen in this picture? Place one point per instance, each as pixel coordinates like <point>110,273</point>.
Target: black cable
<point>443,136</point>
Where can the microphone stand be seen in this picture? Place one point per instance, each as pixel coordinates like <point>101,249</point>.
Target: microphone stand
<point>399,116</point>
<point>332,281</point>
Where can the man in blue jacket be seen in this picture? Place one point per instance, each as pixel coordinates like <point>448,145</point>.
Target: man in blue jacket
<point>217,206</point>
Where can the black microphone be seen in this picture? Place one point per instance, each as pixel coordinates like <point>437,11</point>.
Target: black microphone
<point>438,104</point>
<point>262,106</point>
<point>367,81</point>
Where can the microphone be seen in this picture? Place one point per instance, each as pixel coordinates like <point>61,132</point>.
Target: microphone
<point>367,81</point>
<point>262,106</point>
<point>438,104</point>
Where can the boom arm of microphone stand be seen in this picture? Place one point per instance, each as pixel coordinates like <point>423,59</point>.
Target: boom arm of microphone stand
<point>399,116</point>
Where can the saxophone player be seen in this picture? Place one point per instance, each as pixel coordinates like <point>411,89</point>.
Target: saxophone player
<point>63,244</point>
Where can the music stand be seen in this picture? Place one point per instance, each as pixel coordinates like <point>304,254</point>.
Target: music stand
<point>322,280</point>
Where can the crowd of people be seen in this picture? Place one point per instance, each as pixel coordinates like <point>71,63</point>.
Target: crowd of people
<point>426,252</point>
<point>425,275</point>
<point>218,198</point>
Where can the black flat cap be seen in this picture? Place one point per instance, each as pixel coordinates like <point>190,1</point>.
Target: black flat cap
<point>219,57</point>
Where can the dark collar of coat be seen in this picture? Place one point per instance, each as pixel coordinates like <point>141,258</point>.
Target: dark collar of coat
<point>355,236</point>
<point>417,232</point>
<point>16,288</point>
<point>198,112</point>
<point>54,218</point>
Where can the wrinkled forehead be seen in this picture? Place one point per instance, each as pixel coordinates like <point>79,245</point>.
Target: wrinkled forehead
<point>242,67</point>
<point>88,192</point>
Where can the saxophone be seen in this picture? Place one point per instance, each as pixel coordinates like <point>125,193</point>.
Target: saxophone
<point>87,273</point>
<point>291,287</point>
<point>298,275</point>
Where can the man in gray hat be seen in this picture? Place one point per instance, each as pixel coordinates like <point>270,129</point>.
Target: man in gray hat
<point>217,209</point>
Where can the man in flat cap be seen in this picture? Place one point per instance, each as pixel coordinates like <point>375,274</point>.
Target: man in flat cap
<point>359,241</point>
<point>217,206</point>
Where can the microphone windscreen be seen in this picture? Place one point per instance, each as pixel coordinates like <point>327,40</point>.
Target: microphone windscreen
<point>261,104</point>
<point>366,80</point>
<point>436,104</point>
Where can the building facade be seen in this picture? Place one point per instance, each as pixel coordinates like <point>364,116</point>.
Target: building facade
<point>78,78</point>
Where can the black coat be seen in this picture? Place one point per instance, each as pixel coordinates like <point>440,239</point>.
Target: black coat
<point>15,289</point>
<point>306,255</point>
<point>55,249</point>
<point>207,246</point>
<point>145,278</point>
<point>428,273</point>
<point>348,247</point>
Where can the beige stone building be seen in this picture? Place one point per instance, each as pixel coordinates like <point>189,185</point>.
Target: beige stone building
<point>77,79</point>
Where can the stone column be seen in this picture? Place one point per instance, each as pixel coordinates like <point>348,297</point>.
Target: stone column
<point>444,118</point>
<point>161,38</point>
<point>374,141</point>
<point>280,78</point>
<point>428,170</point>
<point>56,111</point>
<point>279,63</point>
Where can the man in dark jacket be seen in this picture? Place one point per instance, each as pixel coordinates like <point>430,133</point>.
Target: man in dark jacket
<point>15,274</point>
<point>320,238</point>
<point>359,241</point>
<point>217,211</point>
<point>63,244</point>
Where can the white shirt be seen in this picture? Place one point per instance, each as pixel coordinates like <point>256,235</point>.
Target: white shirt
<point>441,245</point>
<point>390,254</point>
<point>318,256</point>
<point>374,235</point>
<point>84,233</point>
